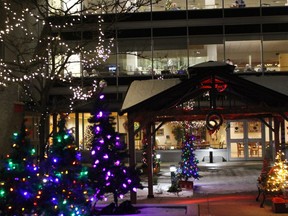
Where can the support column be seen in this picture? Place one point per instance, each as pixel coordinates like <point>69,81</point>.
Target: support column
<point>132,155</point>
<point>77,131</point>
<point>212,51</point>
<point>276,134</point>
<point>149,161</point>
<point>282,129</point>
<point>54,127</point>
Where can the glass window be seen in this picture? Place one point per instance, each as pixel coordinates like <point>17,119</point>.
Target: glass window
<point>85,134</point>
<point>170,55</point>
<point>236,130</point>
<point>67,5</point>
<point>169,5</point>
<point>241,3</point>
<point>237,150</point>
<point>163,5</point>
<point>204,4</point>
<point>245,55</point>
<point>268,3</point>
<point>255,149</point>
<point>275,55</point>
<point>201,51</point>
<point>254,130</point>
<point>135,57</point>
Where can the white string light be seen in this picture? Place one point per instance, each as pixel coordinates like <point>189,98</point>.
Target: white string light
<point>35,52</point>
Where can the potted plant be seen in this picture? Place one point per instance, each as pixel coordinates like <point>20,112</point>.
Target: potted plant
<point>178,132</point>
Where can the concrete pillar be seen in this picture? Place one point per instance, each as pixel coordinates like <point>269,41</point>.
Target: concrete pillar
<point>131,63</point>
<point>212,52</point>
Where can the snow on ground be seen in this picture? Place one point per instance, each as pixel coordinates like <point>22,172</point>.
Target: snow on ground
<point>216,179</point>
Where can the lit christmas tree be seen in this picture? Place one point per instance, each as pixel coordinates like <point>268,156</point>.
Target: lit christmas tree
<point>19,177</point>
<point>64,190</point>
<point>277,176</point>
<point>189,163</point>
<point>108,172</point>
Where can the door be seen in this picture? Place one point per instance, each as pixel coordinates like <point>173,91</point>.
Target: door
<point>245,140</point>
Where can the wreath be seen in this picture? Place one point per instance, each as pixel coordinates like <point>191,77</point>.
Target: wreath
<point>213,121</point>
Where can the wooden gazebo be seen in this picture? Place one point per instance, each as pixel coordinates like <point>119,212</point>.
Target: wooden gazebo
<point>215,90</point>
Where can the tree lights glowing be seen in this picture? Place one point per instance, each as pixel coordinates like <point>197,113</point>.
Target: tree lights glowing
<point>189,163</point>
<point>277,180</point>
<point>108,172</point>
<point>64,189</point>
<point>37,53</point>
<point>19,179</point>
<point>155,160</point>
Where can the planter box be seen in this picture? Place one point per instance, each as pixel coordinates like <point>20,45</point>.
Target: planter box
<point>279,205</point>
<point>186,184</point>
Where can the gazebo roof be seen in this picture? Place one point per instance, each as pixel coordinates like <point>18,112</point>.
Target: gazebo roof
<point>211,86</point>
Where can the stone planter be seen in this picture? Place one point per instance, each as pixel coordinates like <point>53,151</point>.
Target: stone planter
<point>186,184</point>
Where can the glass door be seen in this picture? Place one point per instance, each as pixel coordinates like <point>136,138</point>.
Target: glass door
<point>246,140</point>
<point>254,139</point>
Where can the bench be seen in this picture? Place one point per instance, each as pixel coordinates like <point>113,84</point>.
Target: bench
<point>263,192</point>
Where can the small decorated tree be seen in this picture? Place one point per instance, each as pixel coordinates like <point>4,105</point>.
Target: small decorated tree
<point>19,178</point>
<point>189,163</point>
<point>108,172</point>
<point>65,188</point>
<point>278,175</point>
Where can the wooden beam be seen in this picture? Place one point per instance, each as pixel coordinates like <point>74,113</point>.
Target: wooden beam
<point>284,116</point>
<point>267,124</point>
<point>158,127</point>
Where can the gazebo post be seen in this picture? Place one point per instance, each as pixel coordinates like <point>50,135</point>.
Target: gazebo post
<point>276,134</point>
<point>149,160</point>
<point>282,123</point>
<point>132,156</point>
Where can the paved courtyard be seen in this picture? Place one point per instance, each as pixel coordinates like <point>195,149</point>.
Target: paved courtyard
<point>225,189</point>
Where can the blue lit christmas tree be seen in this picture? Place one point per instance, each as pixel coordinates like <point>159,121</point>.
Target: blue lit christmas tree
<point>19,178</point>
<point>65,188</point>
<point>189,163</point>
<point>109,173</point>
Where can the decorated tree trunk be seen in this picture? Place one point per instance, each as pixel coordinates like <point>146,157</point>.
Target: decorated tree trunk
<point>156,161</point>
